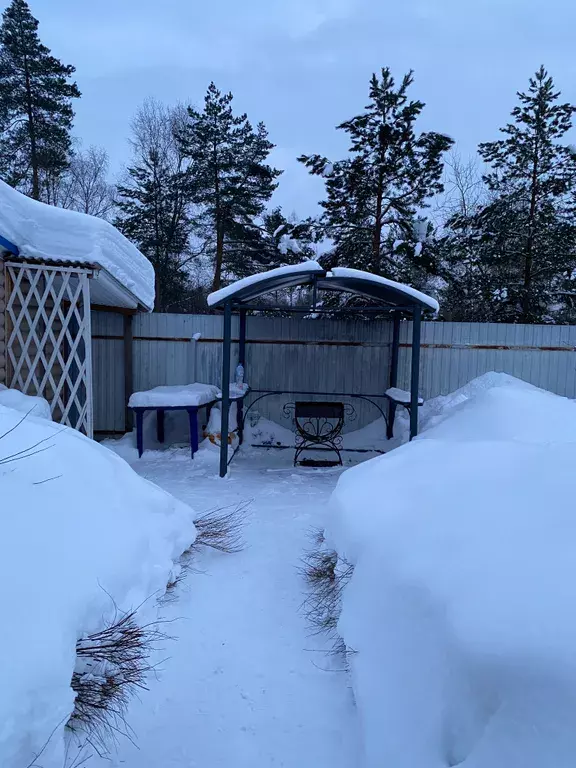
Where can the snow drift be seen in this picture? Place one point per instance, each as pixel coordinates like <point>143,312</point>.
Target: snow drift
<point>36,406</point>
<point>78,529</point>
<point>461,603</point>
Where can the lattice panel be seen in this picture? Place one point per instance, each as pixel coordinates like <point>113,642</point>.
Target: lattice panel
<point>48,339</point>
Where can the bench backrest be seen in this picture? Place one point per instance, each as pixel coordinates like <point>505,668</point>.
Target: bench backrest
<point>319,410</point>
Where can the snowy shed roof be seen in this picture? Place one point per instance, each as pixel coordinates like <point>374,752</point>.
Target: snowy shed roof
<point>33,230</point>
<point>387,292</point>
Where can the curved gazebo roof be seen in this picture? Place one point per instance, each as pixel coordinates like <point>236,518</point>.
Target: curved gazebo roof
<point>310,273</point>
<point>389,296</point>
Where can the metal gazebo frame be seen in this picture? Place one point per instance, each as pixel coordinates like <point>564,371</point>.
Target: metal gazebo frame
<point>393,297</point>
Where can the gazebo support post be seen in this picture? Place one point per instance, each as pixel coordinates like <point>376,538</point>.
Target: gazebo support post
<point>242,362</point>
<point>128,371</point>
<point>227,343</point>
<point>415,371</point>
<point>393,374</point>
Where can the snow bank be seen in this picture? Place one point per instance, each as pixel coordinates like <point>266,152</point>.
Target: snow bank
<point>36,406</point>
<point>461,604</point>
<point>44,232</point>
<point>78,527</point>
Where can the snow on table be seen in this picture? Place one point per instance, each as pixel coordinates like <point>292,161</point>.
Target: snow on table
<point>401,396</point>
<point>48,233</point>
<point>174,396</point>
<point>460,607</point>
<point>237,391</point>
<point>183,395</point>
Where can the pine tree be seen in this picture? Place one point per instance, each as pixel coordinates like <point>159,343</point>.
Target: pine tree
<point>35,105</point>
<point>286,240</point>
<point>230,182</point>
<point>152,203</point>
<point>527,232</point>
<point>374,195</point>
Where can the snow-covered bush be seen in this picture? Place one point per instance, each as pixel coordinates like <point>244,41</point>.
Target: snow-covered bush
<point>461,602</point>
<point>80,533</point>
<point>326,575</point>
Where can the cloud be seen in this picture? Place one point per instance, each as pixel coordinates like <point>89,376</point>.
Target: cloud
<point>138,34</point>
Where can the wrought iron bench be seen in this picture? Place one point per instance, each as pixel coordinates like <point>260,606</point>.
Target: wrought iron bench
<point>319,426</point>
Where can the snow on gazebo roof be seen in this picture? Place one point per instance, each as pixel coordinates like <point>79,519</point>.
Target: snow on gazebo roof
<point>36,231</point>
<point>342,279</point>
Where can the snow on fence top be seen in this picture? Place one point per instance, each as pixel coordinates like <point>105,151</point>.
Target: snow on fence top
<point>338,279</point>
<point>46,233</point>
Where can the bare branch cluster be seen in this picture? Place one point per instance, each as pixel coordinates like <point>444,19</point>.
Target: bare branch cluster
<point>326,575</point>
<point>221,529</point>
<point>112,666</point>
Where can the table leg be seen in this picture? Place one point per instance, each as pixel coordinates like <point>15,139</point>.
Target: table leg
<point>160,424</point>
<point>140,432</point>
<point>193,419</point>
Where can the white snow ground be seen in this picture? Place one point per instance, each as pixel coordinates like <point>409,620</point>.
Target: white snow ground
<point>245,685</point>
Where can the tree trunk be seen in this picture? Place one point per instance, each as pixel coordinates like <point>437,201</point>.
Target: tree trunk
<point>216,283</point>
<point>158,289</point>
<point>32,134</point>
<point>529,259</point>
<point>377,237</point>
<point>219,257</point>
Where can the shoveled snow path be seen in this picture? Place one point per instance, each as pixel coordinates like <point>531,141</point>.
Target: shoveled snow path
<point>245,685</point>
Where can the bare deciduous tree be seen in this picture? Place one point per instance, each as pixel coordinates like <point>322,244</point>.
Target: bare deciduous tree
<point>465,191</point>
<point>90,191</point>
<point>153,203</point>
<point>84,185</point>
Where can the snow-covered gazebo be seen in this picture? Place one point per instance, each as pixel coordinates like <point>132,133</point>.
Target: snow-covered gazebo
<point>55,266</point>
<point>387,296</point>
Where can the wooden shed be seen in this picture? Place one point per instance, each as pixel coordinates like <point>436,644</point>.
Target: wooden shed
<point>55,267</point>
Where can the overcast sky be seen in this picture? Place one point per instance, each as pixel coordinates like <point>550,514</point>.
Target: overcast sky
<point>302,66</point>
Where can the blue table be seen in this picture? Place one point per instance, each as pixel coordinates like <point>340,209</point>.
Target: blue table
<point>192,411</point>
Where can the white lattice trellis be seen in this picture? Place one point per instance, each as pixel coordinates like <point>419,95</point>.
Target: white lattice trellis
<point>49,338</point>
